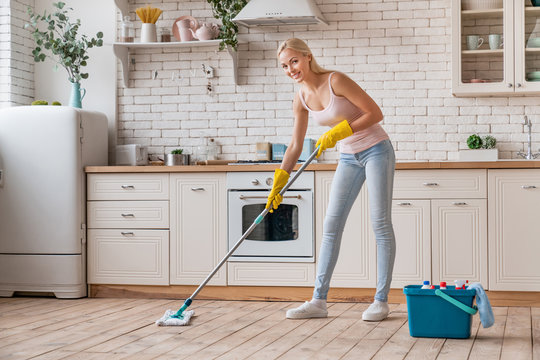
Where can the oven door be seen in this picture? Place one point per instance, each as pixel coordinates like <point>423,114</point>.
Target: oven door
<point>284,235</point>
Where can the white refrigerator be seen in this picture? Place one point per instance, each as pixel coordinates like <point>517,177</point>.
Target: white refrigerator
<point>43,152</point>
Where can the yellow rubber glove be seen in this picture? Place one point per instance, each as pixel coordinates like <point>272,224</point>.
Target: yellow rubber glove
<point>280,180</point>
<point>329,139</point>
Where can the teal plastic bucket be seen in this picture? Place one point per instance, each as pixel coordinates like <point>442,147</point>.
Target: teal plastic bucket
<point>436,313</point>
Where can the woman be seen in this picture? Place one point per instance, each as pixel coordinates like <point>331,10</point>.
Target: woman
<point>333,99</point>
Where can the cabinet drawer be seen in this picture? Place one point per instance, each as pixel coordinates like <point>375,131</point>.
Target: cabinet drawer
<point>128,186</point>
<point>440,184</point>
<point>271,274</point>
<point>128,214</point>
<point>139,257</point>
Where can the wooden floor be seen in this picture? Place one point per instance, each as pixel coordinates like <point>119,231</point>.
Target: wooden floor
<point>47,328</point>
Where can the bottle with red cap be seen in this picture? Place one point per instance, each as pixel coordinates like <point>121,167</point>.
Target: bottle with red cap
<point>442,286</point>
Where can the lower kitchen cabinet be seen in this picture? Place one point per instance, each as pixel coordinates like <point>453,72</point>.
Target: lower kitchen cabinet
<point>124,256</point>
<point>198,227</point>
<point>356,266</point>
<point>514,229</point>
<point>271,274</point>
<point>412,228</point>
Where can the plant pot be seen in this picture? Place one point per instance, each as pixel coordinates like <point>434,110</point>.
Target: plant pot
<point>479,155</point>
<point>176,159</point>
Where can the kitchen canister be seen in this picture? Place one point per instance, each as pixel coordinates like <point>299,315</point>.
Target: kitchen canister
<point>148,33</point>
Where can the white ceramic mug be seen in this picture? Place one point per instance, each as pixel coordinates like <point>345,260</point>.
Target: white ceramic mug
<point>148,33</point>
<point>474,42</point>
<point>495,41</point>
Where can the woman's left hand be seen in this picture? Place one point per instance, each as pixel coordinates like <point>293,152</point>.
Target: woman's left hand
<point>329,139</point>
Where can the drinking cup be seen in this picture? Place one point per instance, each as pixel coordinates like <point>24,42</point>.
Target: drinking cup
<point>495,41</point>
<point>474,42</point>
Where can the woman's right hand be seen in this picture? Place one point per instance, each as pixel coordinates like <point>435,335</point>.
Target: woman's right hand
<point>280,180</point>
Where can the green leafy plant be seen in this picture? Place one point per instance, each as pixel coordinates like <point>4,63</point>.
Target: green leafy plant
<point>61,39</point>
<point>226,10</point>
<point>489,142</point>
<point>56,103</point>
<point>177,151</point>
<point>474,142</point>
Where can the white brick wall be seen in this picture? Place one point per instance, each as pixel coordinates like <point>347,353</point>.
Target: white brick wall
<point>16,61</point>
<point>397,50</point>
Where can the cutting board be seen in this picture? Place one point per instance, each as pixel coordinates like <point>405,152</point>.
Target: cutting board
<point>215,162</point>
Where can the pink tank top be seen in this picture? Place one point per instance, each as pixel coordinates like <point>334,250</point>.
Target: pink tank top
<point>339,109</point>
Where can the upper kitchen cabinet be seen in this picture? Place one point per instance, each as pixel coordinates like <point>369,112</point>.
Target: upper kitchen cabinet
<point>495,47</point>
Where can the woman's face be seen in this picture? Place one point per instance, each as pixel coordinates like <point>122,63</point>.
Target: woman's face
<point>295,64</point>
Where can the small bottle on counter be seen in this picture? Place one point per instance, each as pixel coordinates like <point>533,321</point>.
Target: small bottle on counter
<point>127,30</point>
<point>426,285</point>
<point>443,285</point>
<point>212,150</point>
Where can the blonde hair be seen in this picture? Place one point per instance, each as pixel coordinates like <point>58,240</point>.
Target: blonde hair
<point>300,46</point>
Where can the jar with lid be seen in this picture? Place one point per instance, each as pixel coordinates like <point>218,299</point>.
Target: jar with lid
<point>127,30</point>
<point>212,150</point>
<point>165,35</point>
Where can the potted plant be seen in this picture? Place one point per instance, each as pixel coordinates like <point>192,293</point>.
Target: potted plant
<point>61,39</point>
<point>226,10</point>
<point>177,157</point>
<point>481,149</point>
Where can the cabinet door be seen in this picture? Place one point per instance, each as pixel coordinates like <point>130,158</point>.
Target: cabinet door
<point>412,226</point>
<point>527,47</point>
<point>514,229</point>
<point>198,210</point>
<point>356,266</point>
<point>459,240</point>
<point>124,256</point>
<point>483,70</point>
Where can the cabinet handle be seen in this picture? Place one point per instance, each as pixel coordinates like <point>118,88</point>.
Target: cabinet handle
<point>459,203</point>
<point>197,189</point>
<point>430,184</point>
<point>404,204</point>
<point>528,186</point>
<point>518,84</point>
<point>128,215</point>
<point>242,197</point>
<point>127,233</point>
<point>510,85</point>
<point>128,187</point>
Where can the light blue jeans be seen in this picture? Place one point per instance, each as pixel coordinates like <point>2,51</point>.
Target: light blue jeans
<point>376,166</point>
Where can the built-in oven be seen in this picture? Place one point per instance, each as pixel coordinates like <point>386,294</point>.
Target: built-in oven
<point>284,235</point>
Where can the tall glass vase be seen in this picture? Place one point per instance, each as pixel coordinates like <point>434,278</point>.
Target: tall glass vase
<point>75,100</point>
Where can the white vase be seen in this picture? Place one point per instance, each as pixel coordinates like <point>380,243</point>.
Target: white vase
<point>479,155</point>
<point>148,33</point>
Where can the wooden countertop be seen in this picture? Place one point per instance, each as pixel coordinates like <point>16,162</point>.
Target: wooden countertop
<point>412,165</point>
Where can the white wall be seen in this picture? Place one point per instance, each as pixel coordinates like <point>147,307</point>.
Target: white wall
<point>95,15</point>
<point>399,51</point>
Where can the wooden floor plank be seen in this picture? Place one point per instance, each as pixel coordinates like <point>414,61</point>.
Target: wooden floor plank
<point>426,349</point>
<point>488,342</point>
<point>535,324</point>
<point>277,327</point>
<point>298,334</point>
<point>517,344</point>
<point>397,346</point>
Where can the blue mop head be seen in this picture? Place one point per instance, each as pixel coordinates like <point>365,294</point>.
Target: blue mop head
<point>168,319</point>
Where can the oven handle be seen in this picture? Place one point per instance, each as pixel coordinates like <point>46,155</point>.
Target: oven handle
<point>242,197</point>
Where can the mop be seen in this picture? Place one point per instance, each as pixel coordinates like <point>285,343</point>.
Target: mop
<point>182,317</point>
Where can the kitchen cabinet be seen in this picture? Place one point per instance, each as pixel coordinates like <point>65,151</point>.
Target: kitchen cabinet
<point>198,238</point>
<point>128,229</point>
<point>440,222</point>
<point>511,69</point>
<point>514,229</point>
<point>356,265</point>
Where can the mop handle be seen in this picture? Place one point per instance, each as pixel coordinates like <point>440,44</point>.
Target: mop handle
<point>252,227</point>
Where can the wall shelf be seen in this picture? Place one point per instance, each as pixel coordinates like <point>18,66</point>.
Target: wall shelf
<point>123,51</point>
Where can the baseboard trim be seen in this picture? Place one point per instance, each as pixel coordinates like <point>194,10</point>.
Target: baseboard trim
<point>284,293</point>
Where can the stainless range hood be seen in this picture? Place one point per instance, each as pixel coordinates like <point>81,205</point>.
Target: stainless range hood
<point>280,12</point>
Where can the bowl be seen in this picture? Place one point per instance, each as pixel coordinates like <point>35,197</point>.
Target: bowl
<point>482,4</point>
<point>534,42</point>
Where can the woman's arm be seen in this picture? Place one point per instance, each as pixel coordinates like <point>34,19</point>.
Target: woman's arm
<point>299,132</point>
<point>345,86</point>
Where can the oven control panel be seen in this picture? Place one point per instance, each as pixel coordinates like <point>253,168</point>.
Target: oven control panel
<point>254,180</point>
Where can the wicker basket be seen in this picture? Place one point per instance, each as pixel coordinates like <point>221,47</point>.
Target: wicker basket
<point>481,4</point>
